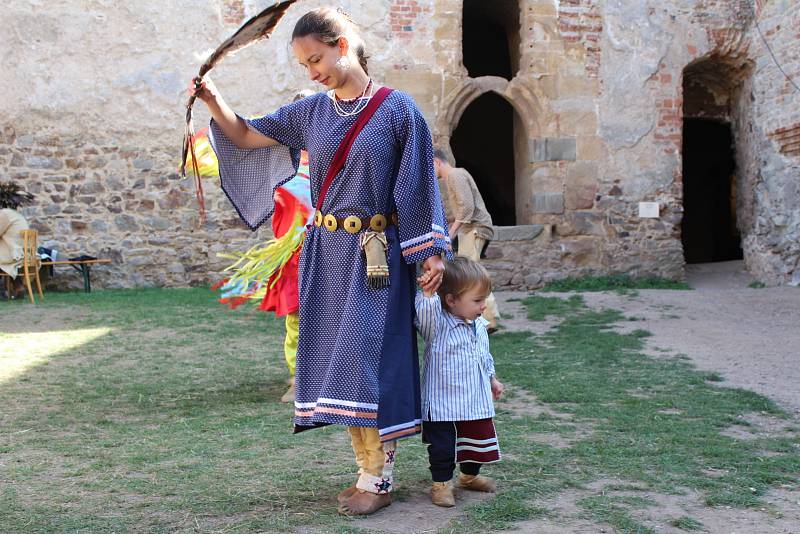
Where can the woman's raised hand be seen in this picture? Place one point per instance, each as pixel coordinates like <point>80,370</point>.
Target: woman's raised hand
<point>203,88</point>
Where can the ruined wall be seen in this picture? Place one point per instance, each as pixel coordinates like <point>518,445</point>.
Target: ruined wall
<point>91,123</point>
<point>771,146</point>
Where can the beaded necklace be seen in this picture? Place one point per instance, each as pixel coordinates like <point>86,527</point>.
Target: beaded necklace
<point>362,101</point>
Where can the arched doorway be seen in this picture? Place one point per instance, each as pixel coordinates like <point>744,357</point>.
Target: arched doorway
<point>491,38</point>
<point>710,229</point>
<point>483,144</point>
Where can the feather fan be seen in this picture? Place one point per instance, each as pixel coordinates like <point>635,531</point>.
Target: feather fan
<point>256,29</point>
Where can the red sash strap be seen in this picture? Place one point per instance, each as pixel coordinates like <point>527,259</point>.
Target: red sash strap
<point>344,147</point>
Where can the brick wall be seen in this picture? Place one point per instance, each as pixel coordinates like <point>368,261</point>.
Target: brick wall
<point>404,15</point>
<point>579,21</point>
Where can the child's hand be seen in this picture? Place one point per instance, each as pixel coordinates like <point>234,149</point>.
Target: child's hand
<point>424,283</point>
<point>431,278</point>
<point>497,388</point>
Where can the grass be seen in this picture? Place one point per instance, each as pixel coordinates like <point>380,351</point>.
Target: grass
<point>621,283</point>
<point>156,411</point>
<point>654,421</point>
<point>686,523</point>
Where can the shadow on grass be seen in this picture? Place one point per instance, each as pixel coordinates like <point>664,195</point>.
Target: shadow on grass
<point>170,421</point>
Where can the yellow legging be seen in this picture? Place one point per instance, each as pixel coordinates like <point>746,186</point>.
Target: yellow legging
<point>290,342</point>
<point>375,460</point>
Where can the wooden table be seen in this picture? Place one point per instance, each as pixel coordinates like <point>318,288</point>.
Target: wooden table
<point>82,266</point>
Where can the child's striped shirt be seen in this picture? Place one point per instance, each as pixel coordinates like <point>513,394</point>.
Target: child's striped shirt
<point>458,366</point>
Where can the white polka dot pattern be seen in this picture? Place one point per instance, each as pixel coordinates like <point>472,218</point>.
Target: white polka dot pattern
<point>357,363</point>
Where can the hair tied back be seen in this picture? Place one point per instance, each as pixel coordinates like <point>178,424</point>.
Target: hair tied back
<point>340,10</point>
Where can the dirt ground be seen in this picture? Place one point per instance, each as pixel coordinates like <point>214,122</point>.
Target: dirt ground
<point>751,337</point>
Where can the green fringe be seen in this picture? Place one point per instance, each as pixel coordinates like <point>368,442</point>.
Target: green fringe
<point>261,262</point>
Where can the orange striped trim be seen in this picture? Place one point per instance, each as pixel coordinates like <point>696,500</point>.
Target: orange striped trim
<point>426,244</point>
<point>335,411</point>
<point>409,251</point>
<point>401,433</point>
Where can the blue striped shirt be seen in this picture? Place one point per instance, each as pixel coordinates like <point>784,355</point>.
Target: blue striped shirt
<point>458,366</point>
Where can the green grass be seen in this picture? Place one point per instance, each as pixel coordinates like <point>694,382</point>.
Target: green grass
<point>157,411</point>
<point>755,284</point>
<point>656,422</point>
<point>687,523</point>
<point>622,283</point>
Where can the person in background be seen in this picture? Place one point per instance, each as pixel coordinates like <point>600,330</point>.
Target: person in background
<point>12,223</point>
<point>467,218</point>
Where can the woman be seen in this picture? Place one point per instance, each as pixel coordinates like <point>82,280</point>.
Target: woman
<point>357,361</point>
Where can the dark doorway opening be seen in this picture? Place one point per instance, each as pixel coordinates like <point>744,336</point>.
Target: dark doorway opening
<point>708,229</point>
<point>490,39</point>
<point>483,144</point>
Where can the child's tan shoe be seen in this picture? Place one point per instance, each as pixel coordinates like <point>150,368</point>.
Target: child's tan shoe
<point>442,494</point>
<point>477,483</point>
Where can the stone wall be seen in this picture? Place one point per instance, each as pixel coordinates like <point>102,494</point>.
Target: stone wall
<point>771,146</point>
<point>92,111</point>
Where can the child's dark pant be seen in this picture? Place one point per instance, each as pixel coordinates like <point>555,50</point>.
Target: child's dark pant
<point>441,439</point>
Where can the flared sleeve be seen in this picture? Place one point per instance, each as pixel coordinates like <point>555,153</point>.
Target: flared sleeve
<point>249,177</point>
<point>423,227</point>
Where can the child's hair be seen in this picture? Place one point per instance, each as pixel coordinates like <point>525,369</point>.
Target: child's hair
<point>461,275</point>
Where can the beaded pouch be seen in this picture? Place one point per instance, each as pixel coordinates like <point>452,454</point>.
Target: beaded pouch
<point>375,246</point>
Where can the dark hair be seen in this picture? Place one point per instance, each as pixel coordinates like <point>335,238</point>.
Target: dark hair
<point>441,156</point>
<point>13,196</point>
<point>461,275</point>
<point>328,25</point>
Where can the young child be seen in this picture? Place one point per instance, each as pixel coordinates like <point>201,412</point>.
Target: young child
<point>458,381</point>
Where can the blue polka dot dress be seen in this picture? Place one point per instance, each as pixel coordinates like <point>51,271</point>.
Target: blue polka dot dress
<point>357,360</point>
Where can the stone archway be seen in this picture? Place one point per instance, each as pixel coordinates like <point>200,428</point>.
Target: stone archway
<point>526,110</point>
<point>716,191</point>
<point>483,144</point>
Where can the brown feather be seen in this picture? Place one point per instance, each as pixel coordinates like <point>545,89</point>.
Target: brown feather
<point>256,29</point>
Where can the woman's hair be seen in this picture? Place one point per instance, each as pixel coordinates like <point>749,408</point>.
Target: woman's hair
<point>328,25</point>
<point>461,275</point>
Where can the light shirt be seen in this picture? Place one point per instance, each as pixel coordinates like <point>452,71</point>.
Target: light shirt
<point>464,204</point>
<point>458,366</point>
<point>11,254</point>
